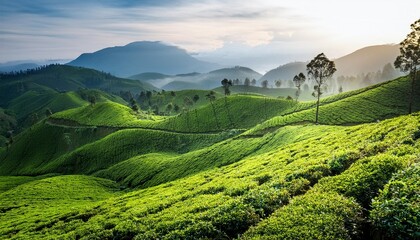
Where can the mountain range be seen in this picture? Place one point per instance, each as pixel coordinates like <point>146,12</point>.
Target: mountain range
<point>172,68</point>
<point>144,56</point>
<point>364,60</point>
<point>198,80</point>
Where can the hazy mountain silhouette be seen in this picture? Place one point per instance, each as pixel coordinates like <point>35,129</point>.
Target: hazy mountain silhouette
<point>364,60</point>
<point>206,80</point>
<point>17,67</point>
<point>147,76</point>
<point>367,59</point>
<point>145,56</point>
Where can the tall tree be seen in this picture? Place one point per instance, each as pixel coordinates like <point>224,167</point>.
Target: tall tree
<point>409,58</point>
<point>211,96</point>
<point>299,80</point>
<point>133,105</point>
<point>196,98</point>
<point>320,69</point>
<point>264,84</point>
<point>226,86</point>
<point>247,82</point>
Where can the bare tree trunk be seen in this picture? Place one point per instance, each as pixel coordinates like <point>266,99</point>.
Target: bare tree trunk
<point>410,105</point>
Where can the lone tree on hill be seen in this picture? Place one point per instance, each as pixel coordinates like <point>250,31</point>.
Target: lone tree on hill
<point>409,59</point>
<point>320,69</point>
<point>196,98</point>
<point>299,80</point>
<point>226,85</point>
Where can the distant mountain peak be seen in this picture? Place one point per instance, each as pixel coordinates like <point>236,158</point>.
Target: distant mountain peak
<point>142,56</point>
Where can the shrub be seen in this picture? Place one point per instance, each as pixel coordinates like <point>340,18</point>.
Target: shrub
<point>396,211</point>
<point>312,216</point>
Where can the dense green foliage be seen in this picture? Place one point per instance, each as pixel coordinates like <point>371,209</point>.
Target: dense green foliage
<point>396,211</point>
<point>197,176</point>
<point>254,190</point>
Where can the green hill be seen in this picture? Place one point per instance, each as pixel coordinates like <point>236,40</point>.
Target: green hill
<point>271,92</point>
<point>65,78</point>
<point>42,142</point>
<point>29,94</point>
<point>197,175</point>
<point>266,193</point>
<point>376,103</point>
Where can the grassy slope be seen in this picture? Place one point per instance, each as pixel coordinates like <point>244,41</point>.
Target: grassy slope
<point>106,114</point>
<point>39,202</point>
<point>379,102</point>
<point>245,111</point>
<point>271,92</point>
<point>253,191</point>
<point>124,144</point>
<point>44,142</point>
<point>163,99</point>
<point>234,112</point>
<point>256,195</point>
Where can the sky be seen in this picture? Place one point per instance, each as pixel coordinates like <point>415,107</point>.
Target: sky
<point>260,34</point>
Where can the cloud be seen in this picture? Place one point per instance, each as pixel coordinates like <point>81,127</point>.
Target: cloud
<point>65,29</point>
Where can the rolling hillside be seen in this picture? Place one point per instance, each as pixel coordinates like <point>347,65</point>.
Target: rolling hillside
<point>27,96</point>
<point>198,175</point>
<point>64,78</point>
<point>250,197</point>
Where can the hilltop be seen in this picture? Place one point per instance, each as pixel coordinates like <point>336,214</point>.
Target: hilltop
<point>139,57</point>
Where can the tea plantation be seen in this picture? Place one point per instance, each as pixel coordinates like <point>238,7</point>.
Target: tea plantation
<point>241,167</point>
